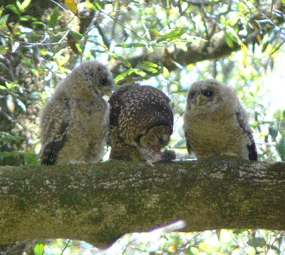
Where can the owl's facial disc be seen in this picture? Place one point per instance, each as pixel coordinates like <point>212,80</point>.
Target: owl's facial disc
<point>204,96</point>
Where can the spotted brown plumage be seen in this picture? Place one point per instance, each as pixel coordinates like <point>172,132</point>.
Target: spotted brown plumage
<point>215,122</point>
<point>75,121</point>
<point>141,122</point>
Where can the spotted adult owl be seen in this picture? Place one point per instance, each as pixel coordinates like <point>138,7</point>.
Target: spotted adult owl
<point>215,122</point>
<point>141,122</point>
<point>75,121</point>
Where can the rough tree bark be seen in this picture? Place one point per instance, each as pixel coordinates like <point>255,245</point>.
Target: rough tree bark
<point>101,202</point>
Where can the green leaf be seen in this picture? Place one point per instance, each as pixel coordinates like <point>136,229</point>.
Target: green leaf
<point>124,61</point>
<point>2,87</point>
<point>153,31</point>
<point>229,39</point>
<point>128,73</point>
<point>21,104</point>
<point>39,249</point>
<point>53,18</point>
<point>77,36</point>
<point>27,18</point>
<point>10,103</point>
<point>22,6</point>
<point>31,158</point>
<point>131,45</point>
<point>280,147</point>
<point>5,137</point>
<point>165,73</point>
<point>6,154</point>
<point>256,242</point>
<point>123,75</point>
<point>14,8</point>
<point>149,66</point>
<point>175,33</point>
<point>10,85</point>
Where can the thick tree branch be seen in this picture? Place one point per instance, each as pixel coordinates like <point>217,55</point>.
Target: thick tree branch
<point>101,202</point>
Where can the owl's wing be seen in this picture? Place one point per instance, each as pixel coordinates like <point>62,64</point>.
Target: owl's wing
<point>57,140</point>
<point>187,143</point>
<point>252,151</point>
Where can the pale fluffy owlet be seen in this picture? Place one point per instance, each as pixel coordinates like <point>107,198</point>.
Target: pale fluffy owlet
<point>215,123</point>
<point>141,122</point>
<point>75,121</point>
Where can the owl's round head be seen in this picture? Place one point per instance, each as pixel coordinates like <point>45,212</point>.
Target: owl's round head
<point>209,95</point>
<point>94,76</point>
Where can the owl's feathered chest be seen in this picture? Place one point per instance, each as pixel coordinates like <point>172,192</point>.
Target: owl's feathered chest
<point>214,133</point>
<point>87,114</point>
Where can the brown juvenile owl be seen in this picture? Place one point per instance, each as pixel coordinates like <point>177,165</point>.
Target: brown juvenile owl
<point>141,122</point>
<point>215,122</point>
<point>74,122</point>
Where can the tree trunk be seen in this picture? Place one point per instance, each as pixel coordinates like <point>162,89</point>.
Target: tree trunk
<point>101,202</point>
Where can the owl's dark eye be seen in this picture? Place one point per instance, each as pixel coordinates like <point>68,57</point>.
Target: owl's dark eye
<point>104,82</point>
<point>208,93</point>
<point>192,94</point>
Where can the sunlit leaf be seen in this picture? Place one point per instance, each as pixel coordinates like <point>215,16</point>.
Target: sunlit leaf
<point>244,54</point>
<point>10,103</point>
<point>149,66</point>
<point>22,6</point>
<point>2,87</point>
<point>71,6</point>
<point>129,72</point>
<point>10,85</point>
<point>21,104</point>
<point>175,33</point>
<point>39,249</point>
<point>53,18</point>
<point>165,73</point>
<point>172,248</point>
<point>131,45</point>
<point>123,75</point>
<point>14,9</point>
<point>153,31</point>
<point>229,39</point>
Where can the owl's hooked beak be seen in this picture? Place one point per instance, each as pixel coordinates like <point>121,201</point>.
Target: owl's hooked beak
<point>107,92</point>
<point>201,100</point>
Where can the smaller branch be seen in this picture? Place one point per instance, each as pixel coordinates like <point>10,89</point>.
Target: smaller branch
<point>133,32</point>
<point>202,3</point>
<point>60,6</point>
